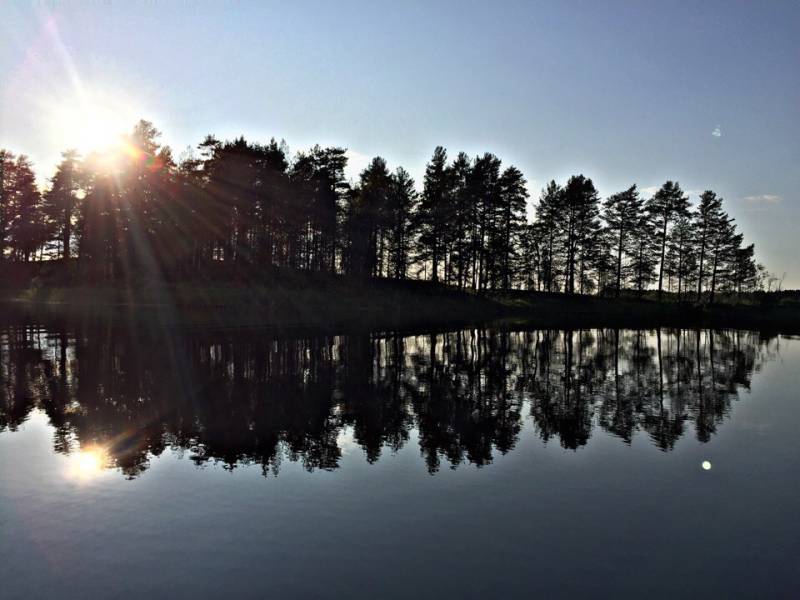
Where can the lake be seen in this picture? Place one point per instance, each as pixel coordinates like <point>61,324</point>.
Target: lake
<point>475,463</point>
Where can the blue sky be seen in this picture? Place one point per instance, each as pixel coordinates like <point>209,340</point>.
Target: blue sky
<point>707,93</point>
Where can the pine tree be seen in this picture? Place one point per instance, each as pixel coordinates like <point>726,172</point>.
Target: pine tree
<point>463,219</point>
<point>579,223</point>
<point>402,203</point>
<point>680,255</point>
<point>548,212</point>
<point>7,162</point>
<point>622,215</point>
<point>722,249</point>
<point>61,200</point>
<point>512,197</point>
<point>484,191</point>
<point>431,216</point>
<point>644,249</point>
<point>26,228</point>
<point>319,179</point>
<point>376,188</point>
<point>531,258</point>
<point>707,219</point>
<point>744,276</point>
<point>667,204</point>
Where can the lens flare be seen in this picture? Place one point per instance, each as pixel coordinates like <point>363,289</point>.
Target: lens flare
<point>90,122</point>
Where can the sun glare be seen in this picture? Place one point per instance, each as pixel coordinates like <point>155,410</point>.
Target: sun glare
<point>91,123</point>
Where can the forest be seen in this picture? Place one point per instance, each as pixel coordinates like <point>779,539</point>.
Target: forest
<point>254,207</point>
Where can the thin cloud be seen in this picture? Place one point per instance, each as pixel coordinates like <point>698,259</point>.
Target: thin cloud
<point>763,199</point>
<point>356,162</point>
<point>652,189</point>
<point>717,131</point>
<point>649,190</point>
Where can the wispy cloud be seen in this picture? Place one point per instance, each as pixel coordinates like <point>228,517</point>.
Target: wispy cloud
<point>356,162</point>
<point>763,199</point>
<point>717,131</point>
<point>649,190</point>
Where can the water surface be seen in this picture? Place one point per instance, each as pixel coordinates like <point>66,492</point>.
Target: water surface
<point>474,463</point>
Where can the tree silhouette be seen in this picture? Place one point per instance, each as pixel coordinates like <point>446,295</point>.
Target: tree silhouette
<point>6,193</point>
<point>509,224</point>
<point>61,200</point>
<point>402,200</point>
<point>23,210</point>
<point>432,214</point>
<point>622,214</point>
<point>252,208</point>
<point>667,204</point>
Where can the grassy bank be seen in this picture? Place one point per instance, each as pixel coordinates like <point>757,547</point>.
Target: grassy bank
<point>292,299</point>
<point>285,299</point>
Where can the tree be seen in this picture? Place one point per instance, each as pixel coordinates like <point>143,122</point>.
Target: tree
<point>462,219</point>
<point>722,249</point>
<point>666,204</point>
<point>6,193</point>
<point>319,175</point>
<point>512,197</point>
<point>680,256</point>
<point>402,200</point>
<point>26,227</point>
<point>484,195</point>
<point>579,223</point>
<point>376,186</point>
<point>744,276</point>
<point>548,215</point>
<point>431,216</point>
<point>531,248</point>
<point>623,212</point>
<point>61,200</point>
<point>643,252</point>
<point>707,220</point>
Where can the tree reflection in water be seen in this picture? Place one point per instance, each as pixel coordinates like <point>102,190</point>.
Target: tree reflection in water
<point>242,399</point>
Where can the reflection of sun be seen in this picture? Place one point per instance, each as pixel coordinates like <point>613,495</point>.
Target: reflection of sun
<point>87,463</point>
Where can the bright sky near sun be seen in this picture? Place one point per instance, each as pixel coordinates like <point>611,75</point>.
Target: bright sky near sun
<point>707,93</point>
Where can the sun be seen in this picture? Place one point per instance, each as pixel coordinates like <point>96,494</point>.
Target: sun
<point>91,122</point>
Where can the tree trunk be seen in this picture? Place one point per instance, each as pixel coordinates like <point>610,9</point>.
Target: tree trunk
<point>619,263</point>
<point>663,252</point>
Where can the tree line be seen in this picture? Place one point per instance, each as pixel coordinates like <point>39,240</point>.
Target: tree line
<point>253,206</point>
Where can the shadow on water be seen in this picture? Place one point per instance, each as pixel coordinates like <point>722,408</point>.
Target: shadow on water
<point>235,399</point>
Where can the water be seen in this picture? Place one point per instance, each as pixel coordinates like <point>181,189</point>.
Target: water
<point>475,463</point>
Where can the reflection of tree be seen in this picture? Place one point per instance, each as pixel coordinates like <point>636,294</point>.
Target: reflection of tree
<point>372,392</point>
<point>460,385</point>
<point>240,399</point>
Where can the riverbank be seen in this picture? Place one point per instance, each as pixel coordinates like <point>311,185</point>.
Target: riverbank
<point>292,299</point>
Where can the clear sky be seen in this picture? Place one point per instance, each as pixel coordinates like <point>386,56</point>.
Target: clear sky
<point>707,93</point>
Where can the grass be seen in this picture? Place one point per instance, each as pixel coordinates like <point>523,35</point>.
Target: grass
<point>285,298</point>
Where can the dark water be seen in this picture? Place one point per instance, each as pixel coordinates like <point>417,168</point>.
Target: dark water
<point>475,463</point>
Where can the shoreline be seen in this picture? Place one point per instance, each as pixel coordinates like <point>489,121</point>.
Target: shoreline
<point>334,303</point>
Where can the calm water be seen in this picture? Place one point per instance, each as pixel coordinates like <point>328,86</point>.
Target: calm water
<point>475,463</point>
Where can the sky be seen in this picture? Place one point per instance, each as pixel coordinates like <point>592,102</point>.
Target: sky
<point>705,93</point>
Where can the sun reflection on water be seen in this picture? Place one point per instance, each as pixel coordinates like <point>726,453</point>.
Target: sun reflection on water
<point>87,464</point>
